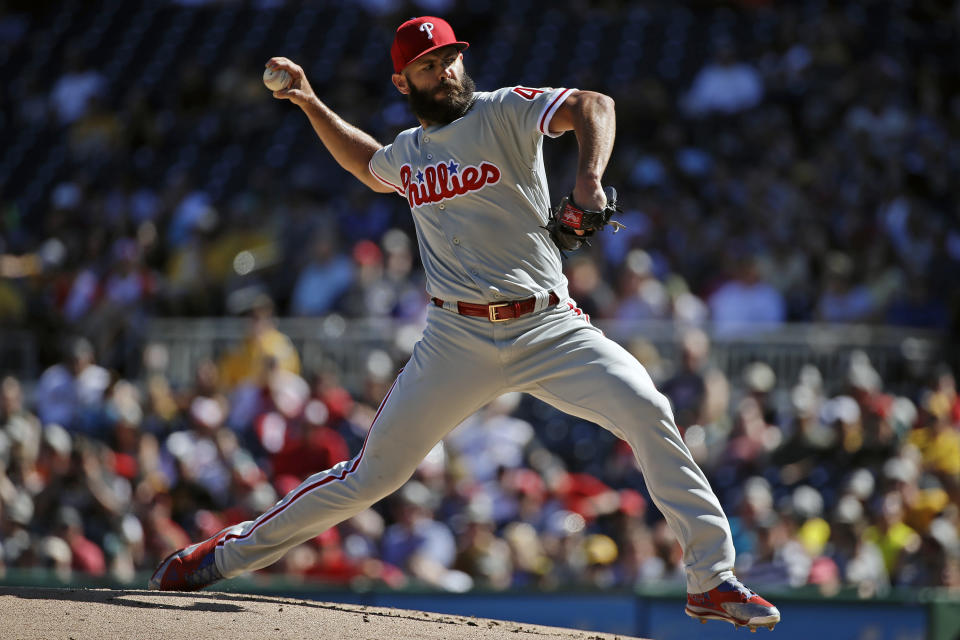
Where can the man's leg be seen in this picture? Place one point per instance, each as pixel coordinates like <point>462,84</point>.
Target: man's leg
<point>597,380</point>
<point>589,376</point>
<point>451,374</point>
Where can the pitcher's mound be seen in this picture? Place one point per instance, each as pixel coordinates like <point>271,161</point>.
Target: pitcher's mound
<point>30,613</point>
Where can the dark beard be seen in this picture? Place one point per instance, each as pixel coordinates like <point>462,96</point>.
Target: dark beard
<point>446,109</point>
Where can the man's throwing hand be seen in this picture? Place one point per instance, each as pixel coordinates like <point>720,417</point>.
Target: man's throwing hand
<point>299,90</point>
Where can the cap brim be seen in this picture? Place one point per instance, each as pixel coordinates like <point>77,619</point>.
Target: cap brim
<point>461,44</point>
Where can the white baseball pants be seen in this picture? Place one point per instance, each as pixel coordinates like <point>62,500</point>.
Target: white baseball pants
<point>461,364</point>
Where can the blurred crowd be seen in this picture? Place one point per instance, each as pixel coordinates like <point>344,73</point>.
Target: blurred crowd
<point>850,486</point>
<point>778,164</point>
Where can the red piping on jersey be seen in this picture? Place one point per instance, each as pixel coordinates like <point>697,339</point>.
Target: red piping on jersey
<point>544,119</point>
<point>356,462</point>
<point>384,181</point>
<point>579,312</point>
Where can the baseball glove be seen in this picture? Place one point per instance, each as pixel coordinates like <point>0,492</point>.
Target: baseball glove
<point>567,218</point>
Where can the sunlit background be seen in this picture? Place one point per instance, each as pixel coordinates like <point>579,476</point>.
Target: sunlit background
<point>198,307</point>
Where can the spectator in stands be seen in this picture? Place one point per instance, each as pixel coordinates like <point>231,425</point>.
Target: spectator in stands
<point>640,295</point>
<point>117,322</point>
<point>924,565</point>
<point>804,451</point>
<point>190,283</point>
<point>725,85</point>
<point>192,210</point>
<point>83,289</point>
<point>420,545</point>
<point>162,534</point>
<point>842,300</point>
<point>938,440</point>
<point>594,296</point>
<point>917,306</point>
<point>384,285</point>
<point>746,303</point>
<point>945,383</point>
<point>409,292</point>
<point>859,560</point>
<point>892,536</point>
<point>21,428</point>
<point>72,91</point>
<point>295,432</point>
<point>322,281</point>
<point>777,560</point>
<point>751,439</point>
<point>263,348</point>
<point>67,390</point>
<point>97,134</point>
<point>481,554</point>
<point>530,562</point>
<point>203,469</point>
<point>134,452</point>
<point>492,439</point>
<point>759,381</point>
<point>87,556</point>
<point>698,391</point>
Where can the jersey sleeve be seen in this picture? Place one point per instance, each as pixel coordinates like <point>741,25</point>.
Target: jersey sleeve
<point>531,109</point>
<point>385,167</point>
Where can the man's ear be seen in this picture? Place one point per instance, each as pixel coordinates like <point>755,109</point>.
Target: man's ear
<point>400,82</point>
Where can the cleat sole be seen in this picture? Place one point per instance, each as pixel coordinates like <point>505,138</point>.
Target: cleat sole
<point>753,624</point>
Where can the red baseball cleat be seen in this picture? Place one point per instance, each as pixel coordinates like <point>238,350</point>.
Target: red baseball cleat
<point>733,602</point>
<point>189,569</point>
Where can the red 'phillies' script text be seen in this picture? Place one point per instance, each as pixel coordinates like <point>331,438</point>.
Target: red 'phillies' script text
<point>437,184</point>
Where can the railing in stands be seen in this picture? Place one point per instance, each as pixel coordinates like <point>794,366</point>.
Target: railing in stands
<point>897,354</point>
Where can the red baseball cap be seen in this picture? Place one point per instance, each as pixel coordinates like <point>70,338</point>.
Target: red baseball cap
<point>419,36</point>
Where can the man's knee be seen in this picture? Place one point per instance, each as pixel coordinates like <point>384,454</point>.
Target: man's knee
<point>374,481</point>
<point>661,406</point>
<point>648,408</point>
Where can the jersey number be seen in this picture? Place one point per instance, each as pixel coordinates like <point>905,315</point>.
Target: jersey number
<point>526,93</point>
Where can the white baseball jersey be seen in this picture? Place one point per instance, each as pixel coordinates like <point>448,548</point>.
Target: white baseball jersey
<point>478,192</point>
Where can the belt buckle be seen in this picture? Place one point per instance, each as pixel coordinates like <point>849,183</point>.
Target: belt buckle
<point>492,314</point>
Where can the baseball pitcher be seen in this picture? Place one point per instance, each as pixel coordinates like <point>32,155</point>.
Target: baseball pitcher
<point>501,318</point>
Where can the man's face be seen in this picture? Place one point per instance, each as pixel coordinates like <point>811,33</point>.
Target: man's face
<point>439,90</point>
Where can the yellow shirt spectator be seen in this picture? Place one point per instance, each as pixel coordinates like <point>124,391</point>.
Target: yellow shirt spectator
<point>891,542</point>
<point>263,346</point>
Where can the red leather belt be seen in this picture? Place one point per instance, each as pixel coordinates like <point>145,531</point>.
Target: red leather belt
<point>499,311</point>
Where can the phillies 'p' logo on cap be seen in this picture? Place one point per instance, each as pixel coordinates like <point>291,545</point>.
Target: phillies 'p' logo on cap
<point>419,36</point>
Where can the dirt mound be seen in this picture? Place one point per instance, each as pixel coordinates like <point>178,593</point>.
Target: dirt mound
<point>79,614</point>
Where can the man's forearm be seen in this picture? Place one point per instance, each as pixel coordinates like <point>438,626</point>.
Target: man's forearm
<point>594,124</point>
<point>593,120</point>
<point>351,147</point>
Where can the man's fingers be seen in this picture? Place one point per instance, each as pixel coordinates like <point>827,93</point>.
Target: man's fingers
<point>280,62</point>
<point>290,94</point>
<point>295,71</point>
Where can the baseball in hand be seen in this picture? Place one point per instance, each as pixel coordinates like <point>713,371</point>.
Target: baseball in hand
<point>276,79</point>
